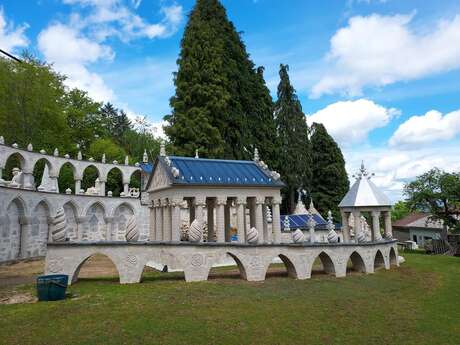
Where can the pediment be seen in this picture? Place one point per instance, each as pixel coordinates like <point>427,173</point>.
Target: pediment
<point>160,179</point>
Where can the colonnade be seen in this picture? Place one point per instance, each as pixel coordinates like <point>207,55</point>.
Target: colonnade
<point>375,216</point>
<point>165,217</point>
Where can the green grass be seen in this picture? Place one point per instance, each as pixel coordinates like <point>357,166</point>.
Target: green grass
<point>418,303</point>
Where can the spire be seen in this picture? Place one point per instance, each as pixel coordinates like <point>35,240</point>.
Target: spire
<point>103,158</point>
<point>126,160</point>
<point>145,158</point>
<point>196,154</point>
<point>162,150</point>
<point>256,155</point>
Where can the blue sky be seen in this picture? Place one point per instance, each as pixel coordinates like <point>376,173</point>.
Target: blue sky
<point>382,75</point>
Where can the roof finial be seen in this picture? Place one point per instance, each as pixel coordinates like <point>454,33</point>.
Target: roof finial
<point>145,157</point>
<point>256,155</point>
<point>196,154</point>
<point>162,150</point>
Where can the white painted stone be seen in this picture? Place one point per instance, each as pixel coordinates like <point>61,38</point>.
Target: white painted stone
<point>252,235</point>
<point>196,231</point>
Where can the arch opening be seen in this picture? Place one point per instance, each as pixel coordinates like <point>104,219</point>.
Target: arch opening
<point>229,268</point>
<point>393,258</point>
<point>97,266</point>
<point>281,266</point>
<point>356,263</point>
<point>89,182</point>
<point>323,265</point>
<point>115,181</point>
<point>135,180</point>
<point>121,217</point>
<point>13,231</point>
<point>15,160</point>
<point>42,176</point>
<point>66,178</point>
<point>379,261</point>
<point>97,226</point>
<point>156,271</point>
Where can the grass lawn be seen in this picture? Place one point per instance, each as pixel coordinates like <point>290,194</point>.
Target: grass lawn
<point>418,303</point>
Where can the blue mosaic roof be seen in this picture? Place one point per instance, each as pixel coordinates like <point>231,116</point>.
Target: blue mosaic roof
<point>201,171</point>
<point>300,221</point>
<point>147,167</point>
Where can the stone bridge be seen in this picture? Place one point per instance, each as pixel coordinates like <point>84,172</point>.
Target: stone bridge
<point>196,260</point>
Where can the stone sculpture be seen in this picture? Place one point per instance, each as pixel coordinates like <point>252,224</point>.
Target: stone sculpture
<point>332,236</point>
<point>298,236</point>
<point>361,237</point>
<point>195,232</point>
<point>59,227</point>
<point>252,235</point>
<point>132,233</point>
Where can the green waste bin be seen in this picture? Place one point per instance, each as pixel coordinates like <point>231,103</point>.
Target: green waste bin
<point>52,287</point>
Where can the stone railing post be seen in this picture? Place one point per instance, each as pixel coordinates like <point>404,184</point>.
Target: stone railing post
<point>220,218</point>
<point>388,228</point>
<point>375,225</point>
<point>276,225</point>
<point>260,218</point>
<point>241,219</point>
<point>175,221</point>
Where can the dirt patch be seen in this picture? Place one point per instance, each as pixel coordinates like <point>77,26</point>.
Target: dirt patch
<point>18,297</point>
<point>24,272</point>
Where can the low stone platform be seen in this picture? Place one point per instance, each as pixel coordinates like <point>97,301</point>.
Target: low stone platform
<point>196,260</point>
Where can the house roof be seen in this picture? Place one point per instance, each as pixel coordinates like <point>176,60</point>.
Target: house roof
<point>364,193</point>
<point>200,171</point>
<point>417,220</point>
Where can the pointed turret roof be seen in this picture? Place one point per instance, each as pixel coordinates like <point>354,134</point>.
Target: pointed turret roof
<point>364,192</point>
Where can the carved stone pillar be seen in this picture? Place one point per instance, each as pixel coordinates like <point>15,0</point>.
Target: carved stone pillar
<point>220,218</point>
<point>159,221</point>
<point>228,237</point>
<point>126,189</point>
<point>259,216</point>
<point>345,226</point>
<point>276,225</point>
<point>101,188</point>
<point>266,235</point>
<point>241,204</point>
<point>388,228</point>
<point>200,203</point>
<point>24,233</point>
<point>175,221</point>
<point>210,204</point>
<point>152,235</point>
<point>166,220</point>
<point>357,226</point>
<point>375,225</point>
<point>28,179</point>
<point>77,186</point>
<point>110,234</point>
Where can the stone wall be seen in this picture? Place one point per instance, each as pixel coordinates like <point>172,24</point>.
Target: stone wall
<point>26,217</point>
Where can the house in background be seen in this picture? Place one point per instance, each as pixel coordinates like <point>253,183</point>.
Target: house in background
<point>416,227</point>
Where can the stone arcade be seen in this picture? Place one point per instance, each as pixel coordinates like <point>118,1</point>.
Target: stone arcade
<point>214,186</point>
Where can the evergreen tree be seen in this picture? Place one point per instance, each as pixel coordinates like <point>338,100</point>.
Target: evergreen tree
<point>221,106</point>
<point>295,150</point>
<point>329,179</point>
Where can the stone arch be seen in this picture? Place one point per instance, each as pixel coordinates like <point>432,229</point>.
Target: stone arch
<point>357,262</point>
<point>379,260</point>
<point>121,214</point>
<point>135,179</point>
<point>97,225</point>
<point>89,174</point>
<point>14,233</point>
<point>288,263</point>
<point>240,265</point>
<point>326,261</point>
<point>40,232</point>
<point>11,161</point>
<point>38,167</point>
<point>65,170</point>
<point>114,178</point>
<point>78,265</point>
<point>392,258</point>
<point>71,212</point>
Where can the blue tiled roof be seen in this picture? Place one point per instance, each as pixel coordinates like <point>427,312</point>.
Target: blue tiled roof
<point>147,167</point>
<point>300,221</point>
<point>201,171</point>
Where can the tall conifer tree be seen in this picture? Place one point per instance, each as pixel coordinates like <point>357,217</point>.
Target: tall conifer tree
<point>330,180</point>
<point>221,106</point>
<point>295,167</point>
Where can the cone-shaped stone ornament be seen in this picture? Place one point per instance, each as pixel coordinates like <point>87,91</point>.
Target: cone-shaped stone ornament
<point>252,236</point>
<point>332,236</point>
<point>58,233</point>
<point>132,234</point>
<point>298,236</point>
<point>361,237</point>
<point>195,232</point>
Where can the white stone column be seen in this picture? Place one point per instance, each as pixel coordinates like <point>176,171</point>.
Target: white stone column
<point>357,226</point>
<point>276,225</point>
<point>55,184</point>
<point>152,230</point>
<point>159,221</point>
<point>241,204</point>
<point>200,203</point>
<point>388,228</point>
<point>220,218</point>
<point>166,220</point>
<point>210,215</point>
<point>77,186</point>
<point>25,231</point>
<point>266,238</point>
<point>259,218</point>
<point>375,225</point>
<point>28,180</point>
<point>345,226</point>
<point>101,188</point>
<point>175,221</point>
<point>126,189</point>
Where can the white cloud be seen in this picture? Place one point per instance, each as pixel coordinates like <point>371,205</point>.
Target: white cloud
<point>11,37</point>
<point>352,121</point>
<point>379,50</point>
<point>71,53</point>
<point>432,126</point>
